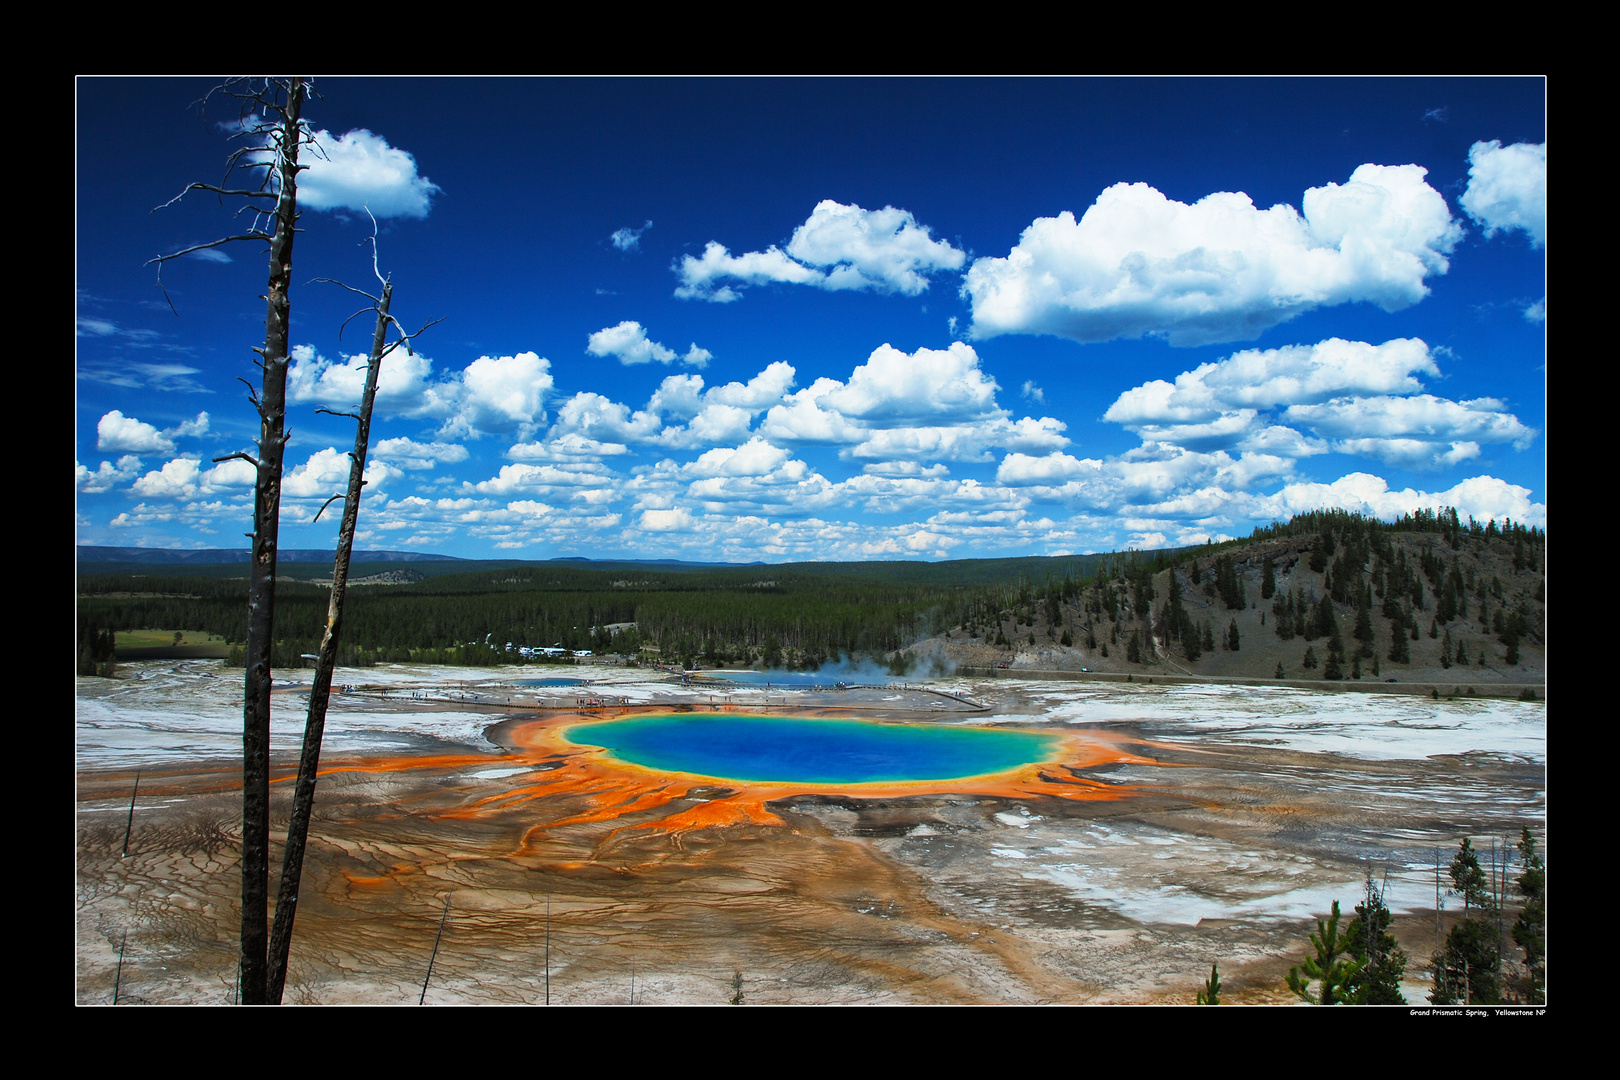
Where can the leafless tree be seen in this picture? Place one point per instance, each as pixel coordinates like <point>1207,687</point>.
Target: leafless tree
<point>321,689</point>
<point>272,134</point>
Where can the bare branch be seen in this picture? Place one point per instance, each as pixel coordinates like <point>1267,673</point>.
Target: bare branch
<point>351,288</point>
<point>327,503</point>
<point>373,238</point>
<point>161,259</point>
<point>405,339</point>
<point>231,457</point>
<point>329,412</point>
<point>253,395</point>
<point>199,186</point>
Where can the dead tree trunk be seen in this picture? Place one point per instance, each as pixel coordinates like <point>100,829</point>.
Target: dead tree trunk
<point>321,691</point>
<point>262,568</point>
<point>271,122</point>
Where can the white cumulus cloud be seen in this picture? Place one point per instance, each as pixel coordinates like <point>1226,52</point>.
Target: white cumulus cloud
<point>1481,497</point>
<point>492,394</point>
<point>1507,188</point>
<point>106,476</point>
<point>326,473</point>
<point>1290,402</point>
<point>185,478</point>
<point>1422,415</point>
<point>1138,263</point>
<point>400,384</point>
<point>116,432</point>
<point>358,170</point>
<point>871,249</point>
<point>931,404</point>
<point>409,454</point>
<point>838,247</point>
<point>629,342</point>
<point>628,239</point>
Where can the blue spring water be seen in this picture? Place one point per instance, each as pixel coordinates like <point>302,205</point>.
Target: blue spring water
<point>798,750</point>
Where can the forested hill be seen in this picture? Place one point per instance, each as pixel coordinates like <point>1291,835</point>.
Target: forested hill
<point>1273,602</point>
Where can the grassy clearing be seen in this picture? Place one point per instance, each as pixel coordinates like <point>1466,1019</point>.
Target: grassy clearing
<point>151,639</point>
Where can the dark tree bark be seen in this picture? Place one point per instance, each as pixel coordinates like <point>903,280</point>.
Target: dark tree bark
<point>262,569</point>
<point>271,110</point>
<point>321,691</point>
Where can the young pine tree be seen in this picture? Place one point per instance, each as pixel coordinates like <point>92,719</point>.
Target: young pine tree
<point>1383,961</point>
<point>1334,668</point>
<point>1331,966</point>
<point>1211,993</point>
<point>1530,930</point>
<point>1400,649</point>
<point>1468,879</point>
<point>1467,968</point>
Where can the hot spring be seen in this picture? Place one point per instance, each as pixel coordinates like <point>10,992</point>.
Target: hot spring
<point>786,749</point>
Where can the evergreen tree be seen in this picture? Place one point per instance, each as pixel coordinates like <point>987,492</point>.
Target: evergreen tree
<point>1466,968</point>
<point>1530,931</point>
<point>1309,662</point>
<point>1226,583</point>
<point>1232,637</point>
<point>1462,654</point>
<point>1383,961</point>
<point>1445,651</point>
<point>1326,625</point>
<point>1133,651</point>
<point>1175,616</point>
<point>1400,650</point>
<point>1282,617</point>
<point>1279,673</point>
<point>1268,579</point>
<point>1334,668</point>
<point>1468,879</point>
<point>1330,967</point>
<point>1209,638</point>
<point>1364,626</point>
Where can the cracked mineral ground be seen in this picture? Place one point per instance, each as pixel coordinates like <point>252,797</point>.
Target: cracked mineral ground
<point>1173,827</point>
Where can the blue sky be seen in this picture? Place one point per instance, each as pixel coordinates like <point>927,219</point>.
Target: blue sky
<point>778,320</point>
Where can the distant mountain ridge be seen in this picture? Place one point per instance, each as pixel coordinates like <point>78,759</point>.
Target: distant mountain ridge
<point>88,554</point>
<point>226,556</point>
